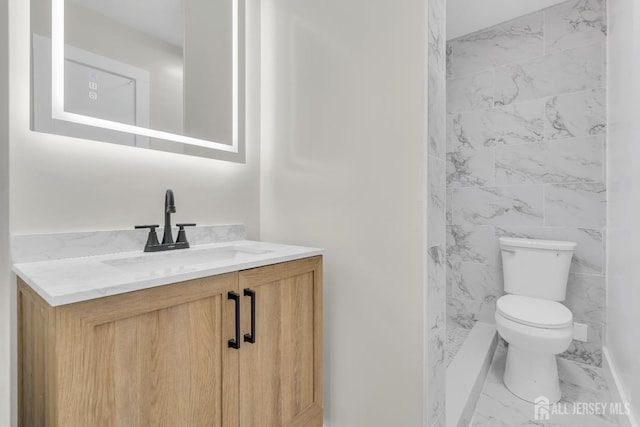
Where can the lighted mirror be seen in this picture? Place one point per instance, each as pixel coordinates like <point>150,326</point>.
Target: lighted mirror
<point>160,74</point>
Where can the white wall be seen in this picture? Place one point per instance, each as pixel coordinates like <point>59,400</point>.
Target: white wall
<point>5,318</point>
<point>63,184</point>
<point>342,122</point>
<point>623,290</point>
<point>66,184</point>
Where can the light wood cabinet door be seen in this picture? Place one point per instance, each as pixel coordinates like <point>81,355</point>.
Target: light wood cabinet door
<point>158,357</point>
<point>281,373</point>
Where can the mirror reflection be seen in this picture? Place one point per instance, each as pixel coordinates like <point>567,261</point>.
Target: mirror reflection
<point>163,65</point>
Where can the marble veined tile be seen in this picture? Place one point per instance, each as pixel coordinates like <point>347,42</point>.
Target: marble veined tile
<point>574,160</point>
<point>437,37</point>
<point>579,384</point>
<point>576,114</point>
<point>575,23</point>
<point>513,41</point>
<point>436,388</point>
<point>571,70</point>
<point>588,257</point>
<point>586,297</point>
<point>436,209</point>
<point>569,415</point>
<point>455,338</point>
<point>473,290</point>
<point>470,168</point>
<point>582,375</point>
<point>472,243</point>
<point>498,407</point>
<point>576,204</point>
<point>521,205</point>
<point>470,92</point>
<point>589,352</point>
<point>449,207</point>
<point>436,288</point>
<point>513,124</point>
<point>436,120</point>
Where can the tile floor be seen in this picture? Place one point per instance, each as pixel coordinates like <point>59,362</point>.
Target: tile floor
<point>455,337</point>
<point>497,407</point>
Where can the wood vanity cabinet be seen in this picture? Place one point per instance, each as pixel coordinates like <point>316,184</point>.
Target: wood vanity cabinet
<point>162,356</point>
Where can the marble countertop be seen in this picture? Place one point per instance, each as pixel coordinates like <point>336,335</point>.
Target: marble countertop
<point>70,280</point>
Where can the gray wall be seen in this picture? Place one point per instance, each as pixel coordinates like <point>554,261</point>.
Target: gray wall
<point>526,107</point>
<point>436,198</point>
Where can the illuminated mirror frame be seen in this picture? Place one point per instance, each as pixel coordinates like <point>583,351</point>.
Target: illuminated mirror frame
<point>236,149</point>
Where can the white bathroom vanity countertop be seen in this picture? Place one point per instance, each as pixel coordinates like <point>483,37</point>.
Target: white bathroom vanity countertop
<point>70,280</point>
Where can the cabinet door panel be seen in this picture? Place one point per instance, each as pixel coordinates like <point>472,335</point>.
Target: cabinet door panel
<point>280,375</point>
<point>168,365</point>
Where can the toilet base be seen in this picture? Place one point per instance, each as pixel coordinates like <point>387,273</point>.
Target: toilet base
<point>530,375</point>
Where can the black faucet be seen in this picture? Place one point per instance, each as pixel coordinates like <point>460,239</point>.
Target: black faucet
<point>169,208</point>
<point>167,240</point>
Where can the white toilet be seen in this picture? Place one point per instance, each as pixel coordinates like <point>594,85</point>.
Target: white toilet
<point>530,318</point>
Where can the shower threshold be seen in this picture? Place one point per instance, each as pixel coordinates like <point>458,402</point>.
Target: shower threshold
<point>467,371</point>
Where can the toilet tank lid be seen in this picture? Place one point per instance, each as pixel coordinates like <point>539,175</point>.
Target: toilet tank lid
<point>537,244</point>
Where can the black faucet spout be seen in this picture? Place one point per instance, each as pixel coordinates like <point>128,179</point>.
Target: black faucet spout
<point>169,208</point>
<point>169,202</point>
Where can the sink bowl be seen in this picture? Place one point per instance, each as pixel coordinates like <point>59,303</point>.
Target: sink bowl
<point>183,259</point>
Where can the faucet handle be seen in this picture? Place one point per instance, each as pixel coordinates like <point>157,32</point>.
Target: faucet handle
<point>152,240</point>
<point>182,236</point>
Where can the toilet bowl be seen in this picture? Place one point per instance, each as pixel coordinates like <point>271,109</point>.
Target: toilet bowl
<point>536,331</point>
<point>530,318</point>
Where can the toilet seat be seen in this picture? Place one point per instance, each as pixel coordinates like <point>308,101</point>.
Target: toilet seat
<point>534,312</point>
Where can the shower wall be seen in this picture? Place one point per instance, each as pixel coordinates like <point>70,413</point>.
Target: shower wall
<point>436,198</point>
<point>526,130</point>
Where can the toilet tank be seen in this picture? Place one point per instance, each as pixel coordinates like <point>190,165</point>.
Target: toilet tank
<point>536,268</point>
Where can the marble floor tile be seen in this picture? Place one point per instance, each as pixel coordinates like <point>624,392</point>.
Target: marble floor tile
<point>582,375</point>
<point>498,407</point>
<point>580,384</point>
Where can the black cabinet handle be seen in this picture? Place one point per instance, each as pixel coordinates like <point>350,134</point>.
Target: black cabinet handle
<point>235,343</point>
<point>252,336</point>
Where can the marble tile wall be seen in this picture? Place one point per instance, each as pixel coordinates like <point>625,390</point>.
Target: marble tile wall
<point>436,152</point>
<point>526,131</point>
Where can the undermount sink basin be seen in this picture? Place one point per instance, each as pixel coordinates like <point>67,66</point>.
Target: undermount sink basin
<point>181,259</point>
